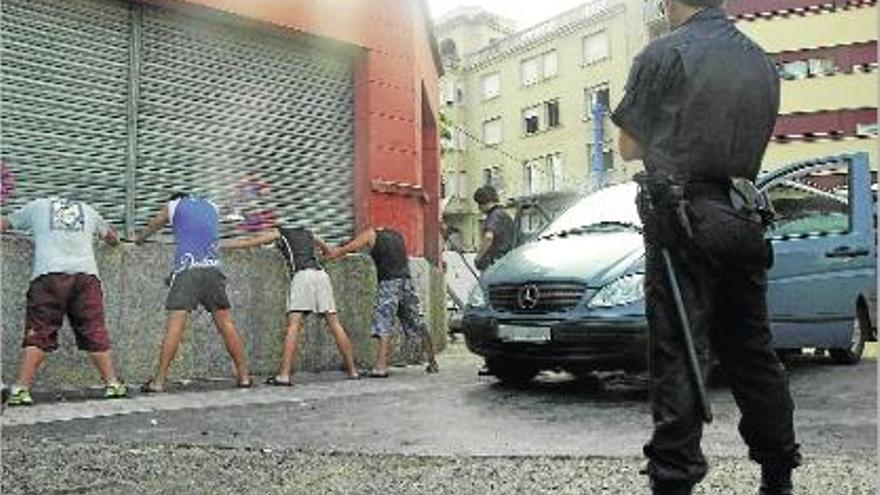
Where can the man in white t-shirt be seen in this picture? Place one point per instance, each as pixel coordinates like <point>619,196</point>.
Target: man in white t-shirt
<point>64,282</point>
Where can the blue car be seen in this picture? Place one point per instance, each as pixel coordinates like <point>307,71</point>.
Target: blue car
<point>572,298</point>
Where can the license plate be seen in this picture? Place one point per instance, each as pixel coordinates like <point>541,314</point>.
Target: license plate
<point>516,333</point>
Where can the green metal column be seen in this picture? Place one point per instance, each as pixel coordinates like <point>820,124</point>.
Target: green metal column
<point>134,79</point>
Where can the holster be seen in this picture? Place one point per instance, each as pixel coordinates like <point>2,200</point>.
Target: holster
<point>664,211</point>
<point>745,196</point>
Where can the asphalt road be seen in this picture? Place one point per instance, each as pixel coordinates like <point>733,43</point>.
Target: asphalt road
<point>414,433</point>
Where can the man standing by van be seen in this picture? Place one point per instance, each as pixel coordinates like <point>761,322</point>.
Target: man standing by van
<point>497,228</point>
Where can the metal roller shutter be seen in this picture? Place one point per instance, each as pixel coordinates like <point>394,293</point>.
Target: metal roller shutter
<point>258,119</point>
<point>64,100</point>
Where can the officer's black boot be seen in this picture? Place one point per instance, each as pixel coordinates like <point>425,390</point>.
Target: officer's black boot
<point>775,482</point>
<point>659,487</point>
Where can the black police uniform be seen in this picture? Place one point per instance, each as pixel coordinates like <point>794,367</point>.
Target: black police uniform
<point>703,101</point>
<point>498,222</point>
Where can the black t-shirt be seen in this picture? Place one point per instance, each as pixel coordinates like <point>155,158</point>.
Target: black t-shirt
<point>702,101</point>
<point>298,247</point>
<point>498,222</point>
<point>389,255</point>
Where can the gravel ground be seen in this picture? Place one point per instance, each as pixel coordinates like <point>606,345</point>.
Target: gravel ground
<point>100,468</point>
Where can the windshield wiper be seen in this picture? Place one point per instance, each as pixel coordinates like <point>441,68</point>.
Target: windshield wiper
<point>593,227</point>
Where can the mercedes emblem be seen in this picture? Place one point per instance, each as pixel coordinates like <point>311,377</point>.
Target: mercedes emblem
<point>529,296</point>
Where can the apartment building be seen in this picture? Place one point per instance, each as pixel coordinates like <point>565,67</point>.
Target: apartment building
<point>528,110</point>
<point>826,51</point>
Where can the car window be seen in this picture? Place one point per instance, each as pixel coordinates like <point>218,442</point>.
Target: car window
<point>812,203</point>
<point>614,204</point>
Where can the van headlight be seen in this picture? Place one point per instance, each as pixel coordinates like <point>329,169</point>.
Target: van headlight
<point>477,298</point>
<point>625,290</point>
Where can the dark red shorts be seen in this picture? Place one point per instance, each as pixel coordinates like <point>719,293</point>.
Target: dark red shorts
<point>51,297</point>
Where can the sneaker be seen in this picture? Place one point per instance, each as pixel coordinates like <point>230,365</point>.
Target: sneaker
<point>20,396</point>
<point>116,390</point>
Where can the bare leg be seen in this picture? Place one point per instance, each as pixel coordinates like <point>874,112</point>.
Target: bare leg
<point>295,323</point>
<point>234,345</point>
<point>428,347</point>
<point>343,343</point>
<point>104,362</point>
<point>31,359</point>
<point>170,344</point>
<point>382,353</point>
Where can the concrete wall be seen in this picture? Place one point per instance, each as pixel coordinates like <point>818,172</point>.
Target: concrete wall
<point>134,296</point>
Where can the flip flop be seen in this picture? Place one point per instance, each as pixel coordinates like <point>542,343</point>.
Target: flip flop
<point>247,384</point>
<point>150,388</point>
<point>355,376</point>
<point>377,374</point>
<point>274,381</point>
<point>432,367</point>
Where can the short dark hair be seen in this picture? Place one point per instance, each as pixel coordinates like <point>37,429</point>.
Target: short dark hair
<point>702,3</point>
<point>486,194</point>
<point>178,195</point>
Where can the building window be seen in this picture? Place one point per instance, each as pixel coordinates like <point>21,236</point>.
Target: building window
<point>532,175</point>
<point>556,173</point>
<point>494,176</point>
<point>532,120</point>
<point>597,95</point>
<point>794,70</point>
<point>549,64</point>
<point>459,139</point>
<point>491,85</point>
<point>596,47</point>
<point>540,67</point>
<point>821,67</point>
<point>541,117</point>
<point>607,156</point>
<point>492,131</point>
<point>447,90</point>
<point>455,185</point>
<point>448,49</point>
<point>867,130</point>
<point>552,109</point>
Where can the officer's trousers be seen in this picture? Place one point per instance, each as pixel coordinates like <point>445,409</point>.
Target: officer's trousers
<point>722,276</point>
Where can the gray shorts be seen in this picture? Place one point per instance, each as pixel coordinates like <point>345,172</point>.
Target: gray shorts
<point>397,297</point>
<point>195,286</point>
<point>311,292</point>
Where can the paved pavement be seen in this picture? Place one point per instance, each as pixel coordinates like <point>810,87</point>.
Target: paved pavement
<point>447,433</point>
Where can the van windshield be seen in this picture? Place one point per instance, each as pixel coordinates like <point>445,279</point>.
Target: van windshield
<point>611,207</point>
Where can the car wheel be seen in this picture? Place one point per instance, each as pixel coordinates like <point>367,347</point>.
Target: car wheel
<point>510,372</point>
<point>860,334</point>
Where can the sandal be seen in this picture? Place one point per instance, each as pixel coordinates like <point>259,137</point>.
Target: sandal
<point>273,380</point>
<point>432,367</point>
<point>377,374</point>
<point>355,376</point>
<point>150,388</point>
<point>247,384</point>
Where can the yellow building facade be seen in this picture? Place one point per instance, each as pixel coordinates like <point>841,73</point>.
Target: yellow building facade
<point>520,106</point>
<point>827,57</point>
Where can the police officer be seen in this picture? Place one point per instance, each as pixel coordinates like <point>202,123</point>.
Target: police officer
<point>699,109</point>
<point>497,228</point>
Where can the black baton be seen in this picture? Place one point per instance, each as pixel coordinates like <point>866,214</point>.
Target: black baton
<point>694,364</point>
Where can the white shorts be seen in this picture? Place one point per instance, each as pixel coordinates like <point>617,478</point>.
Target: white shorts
<point>311,292</point>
